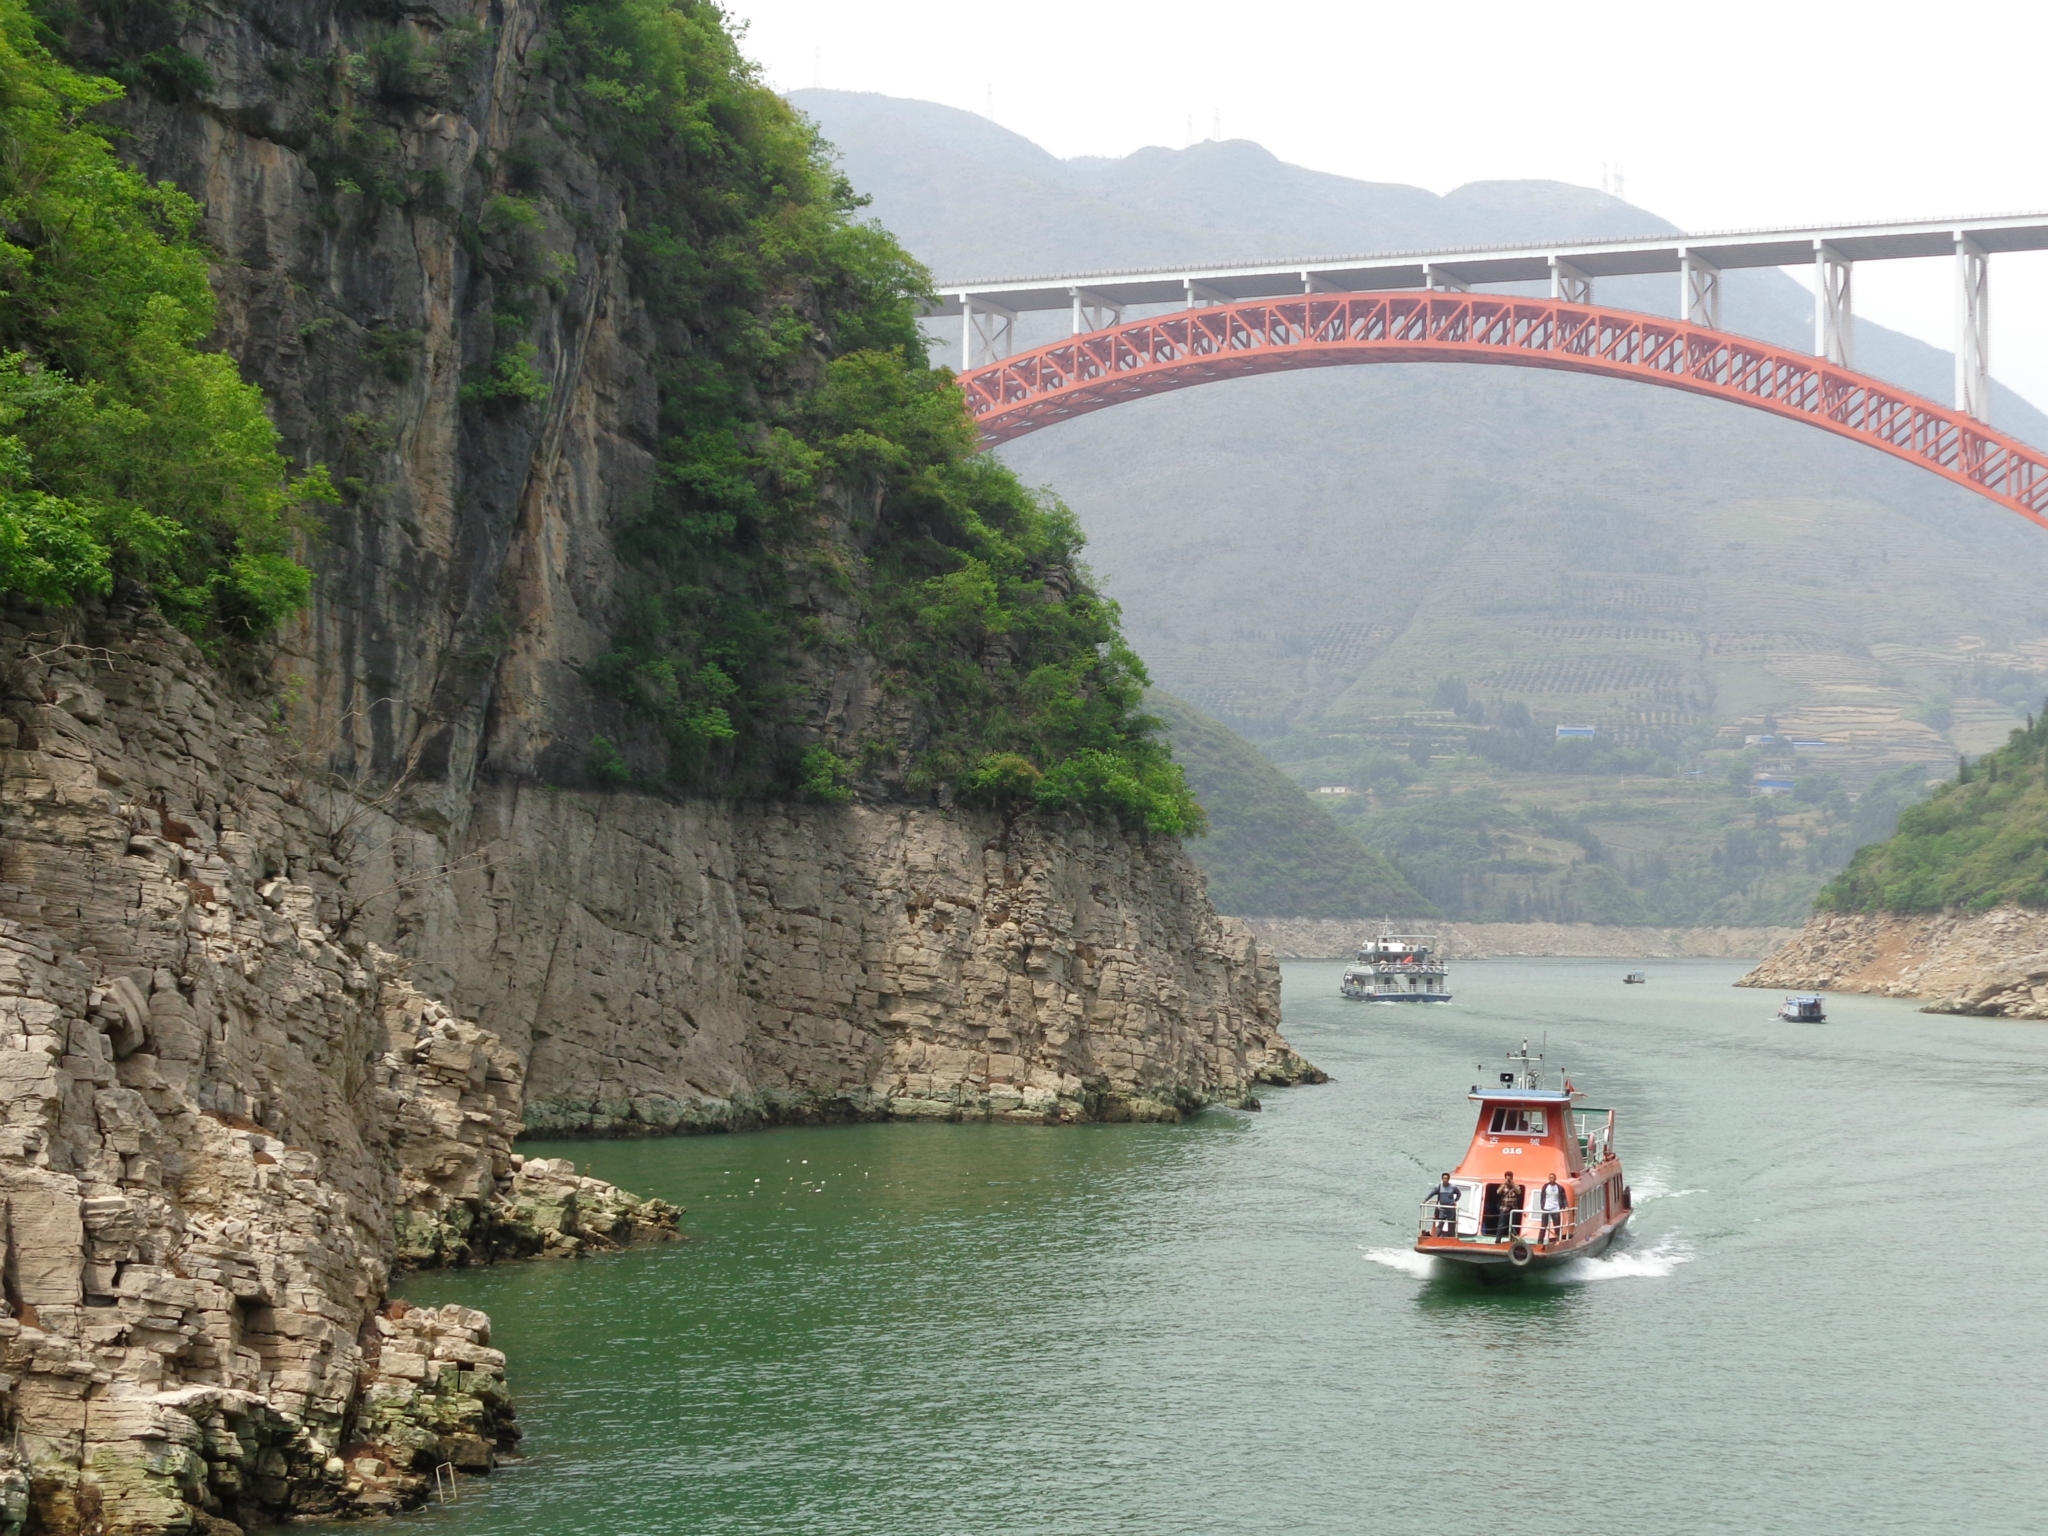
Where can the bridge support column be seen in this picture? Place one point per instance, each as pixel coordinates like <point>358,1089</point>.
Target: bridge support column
<point>1201,293</point>
<point>1699,291</point>
<point>1568,283</point>
<point>1973,328</point>
<point>1092,312</point>
<point>985,328</point>
<point>1437,280</point>
<point>1834,318</point>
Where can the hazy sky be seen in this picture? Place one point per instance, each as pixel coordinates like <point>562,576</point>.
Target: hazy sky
<point>1721,115</point>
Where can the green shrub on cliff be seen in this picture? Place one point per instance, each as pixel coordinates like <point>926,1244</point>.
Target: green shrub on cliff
<point>1978,842</point>
<point>808,447</point>
<point>125,450</point>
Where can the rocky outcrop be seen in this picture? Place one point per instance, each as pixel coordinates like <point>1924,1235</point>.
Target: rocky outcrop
<point>679,966</point>
<point>217,1115</point>
<point>1992,962</point>
<point>1312,938</point>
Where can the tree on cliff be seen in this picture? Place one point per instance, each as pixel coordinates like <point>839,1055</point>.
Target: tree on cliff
<point>126,452</point>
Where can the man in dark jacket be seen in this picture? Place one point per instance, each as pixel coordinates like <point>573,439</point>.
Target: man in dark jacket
<point>1509,1204</point>
<point>1446,1197</point>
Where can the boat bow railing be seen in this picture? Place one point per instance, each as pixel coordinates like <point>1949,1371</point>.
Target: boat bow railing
<point>1483,1227</point>
<point>1595,1130</point>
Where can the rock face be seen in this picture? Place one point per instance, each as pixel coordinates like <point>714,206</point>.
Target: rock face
<point>1992,962</point>
<point>216,1120</point>
<point>654,965</point>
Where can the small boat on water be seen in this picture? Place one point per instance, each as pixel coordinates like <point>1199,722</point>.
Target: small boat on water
<point>1804,1009</point>
<point>1528,1136</point>
<point>1397,968</point>
<point>1634,979</point>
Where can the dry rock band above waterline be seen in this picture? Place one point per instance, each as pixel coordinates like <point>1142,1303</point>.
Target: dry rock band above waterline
<point>1317,938</point>
<point>1988,963</point>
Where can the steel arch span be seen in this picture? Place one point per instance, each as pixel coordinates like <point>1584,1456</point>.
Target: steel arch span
<point>1069,378</point>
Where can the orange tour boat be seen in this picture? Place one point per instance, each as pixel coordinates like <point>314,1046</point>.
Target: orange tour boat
<point>1540,1183</point>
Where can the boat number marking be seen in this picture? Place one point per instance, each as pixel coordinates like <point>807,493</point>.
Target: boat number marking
<point>1512,1151</point>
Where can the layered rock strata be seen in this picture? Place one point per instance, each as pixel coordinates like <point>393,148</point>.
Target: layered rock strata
<point>1992,962</point>
<point>217,1113</point>
<point>227,1116</point>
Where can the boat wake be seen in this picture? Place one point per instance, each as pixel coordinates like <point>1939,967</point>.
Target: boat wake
<point>1406,1260</point>
<point>1649,1264</point>
<point>1650,1187</point>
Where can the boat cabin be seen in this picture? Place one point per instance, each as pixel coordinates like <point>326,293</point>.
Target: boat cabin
<point>1397,968</point>
<point>1537,1134</point>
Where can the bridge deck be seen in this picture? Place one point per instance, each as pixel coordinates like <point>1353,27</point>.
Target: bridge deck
<point>1726,251</point>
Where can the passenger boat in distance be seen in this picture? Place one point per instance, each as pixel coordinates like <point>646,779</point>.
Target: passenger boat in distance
<point>1634,979</point>
<point>1397,968</point>
<point>1803,1009</point>
<point>1535,1134</point>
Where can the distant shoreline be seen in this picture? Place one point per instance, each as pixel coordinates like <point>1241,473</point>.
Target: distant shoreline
<point>1323,938</point>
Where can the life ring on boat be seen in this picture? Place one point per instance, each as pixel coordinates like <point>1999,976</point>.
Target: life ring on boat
<point>1518,1254</point>
<point>1628,1198</point>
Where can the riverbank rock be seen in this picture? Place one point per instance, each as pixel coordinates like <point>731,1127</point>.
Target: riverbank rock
<point>1992,963</point>
<point>224,1121</point>
<point>434,1403</point>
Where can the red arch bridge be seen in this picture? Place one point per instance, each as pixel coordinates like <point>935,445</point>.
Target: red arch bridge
<point>1219,335</point>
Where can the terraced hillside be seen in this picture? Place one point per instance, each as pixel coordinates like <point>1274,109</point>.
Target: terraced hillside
<point>1308,557</point>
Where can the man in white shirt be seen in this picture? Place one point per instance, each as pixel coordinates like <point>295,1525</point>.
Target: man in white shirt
<point>1550,1203</point>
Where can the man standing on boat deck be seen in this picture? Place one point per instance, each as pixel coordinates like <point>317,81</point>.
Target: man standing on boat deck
<point>1509,1205</point>
<point>1446,1197</point>
<point>1550,1201</point>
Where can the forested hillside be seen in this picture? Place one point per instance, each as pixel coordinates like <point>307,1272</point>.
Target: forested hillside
<point>1980,842</point>
<point>1271,849</point>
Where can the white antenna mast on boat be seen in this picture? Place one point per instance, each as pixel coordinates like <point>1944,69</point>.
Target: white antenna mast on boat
<point>1525,1075</point>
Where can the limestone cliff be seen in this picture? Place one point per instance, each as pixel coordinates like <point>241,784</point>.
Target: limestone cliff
<point>297,941</point>
<point>218,1120</point>
<point>655,962</point>
<point>1992,962</point>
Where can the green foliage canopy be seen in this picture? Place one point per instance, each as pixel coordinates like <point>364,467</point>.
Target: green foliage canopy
<point>125,450</point>
<point>806,442</point>
<point>1979,842</point>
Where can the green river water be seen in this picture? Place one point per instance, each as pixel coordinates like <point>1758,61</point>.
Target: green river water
<point>1827,1315</point>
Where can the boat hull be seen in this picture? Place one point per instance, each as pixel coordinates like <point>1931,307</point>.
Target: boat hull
<point>1496,1257</point>
<point>1399,997</point>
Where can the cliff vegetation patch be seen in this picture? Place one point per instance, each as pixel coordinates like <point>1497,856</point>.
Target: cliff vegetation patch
<point>1978,843</point>
<point>806,442</point>
<point>127,452</point>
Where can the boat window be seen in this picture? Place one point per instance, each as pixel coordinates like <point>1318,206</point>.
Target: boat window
<point>1519,1122</point>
